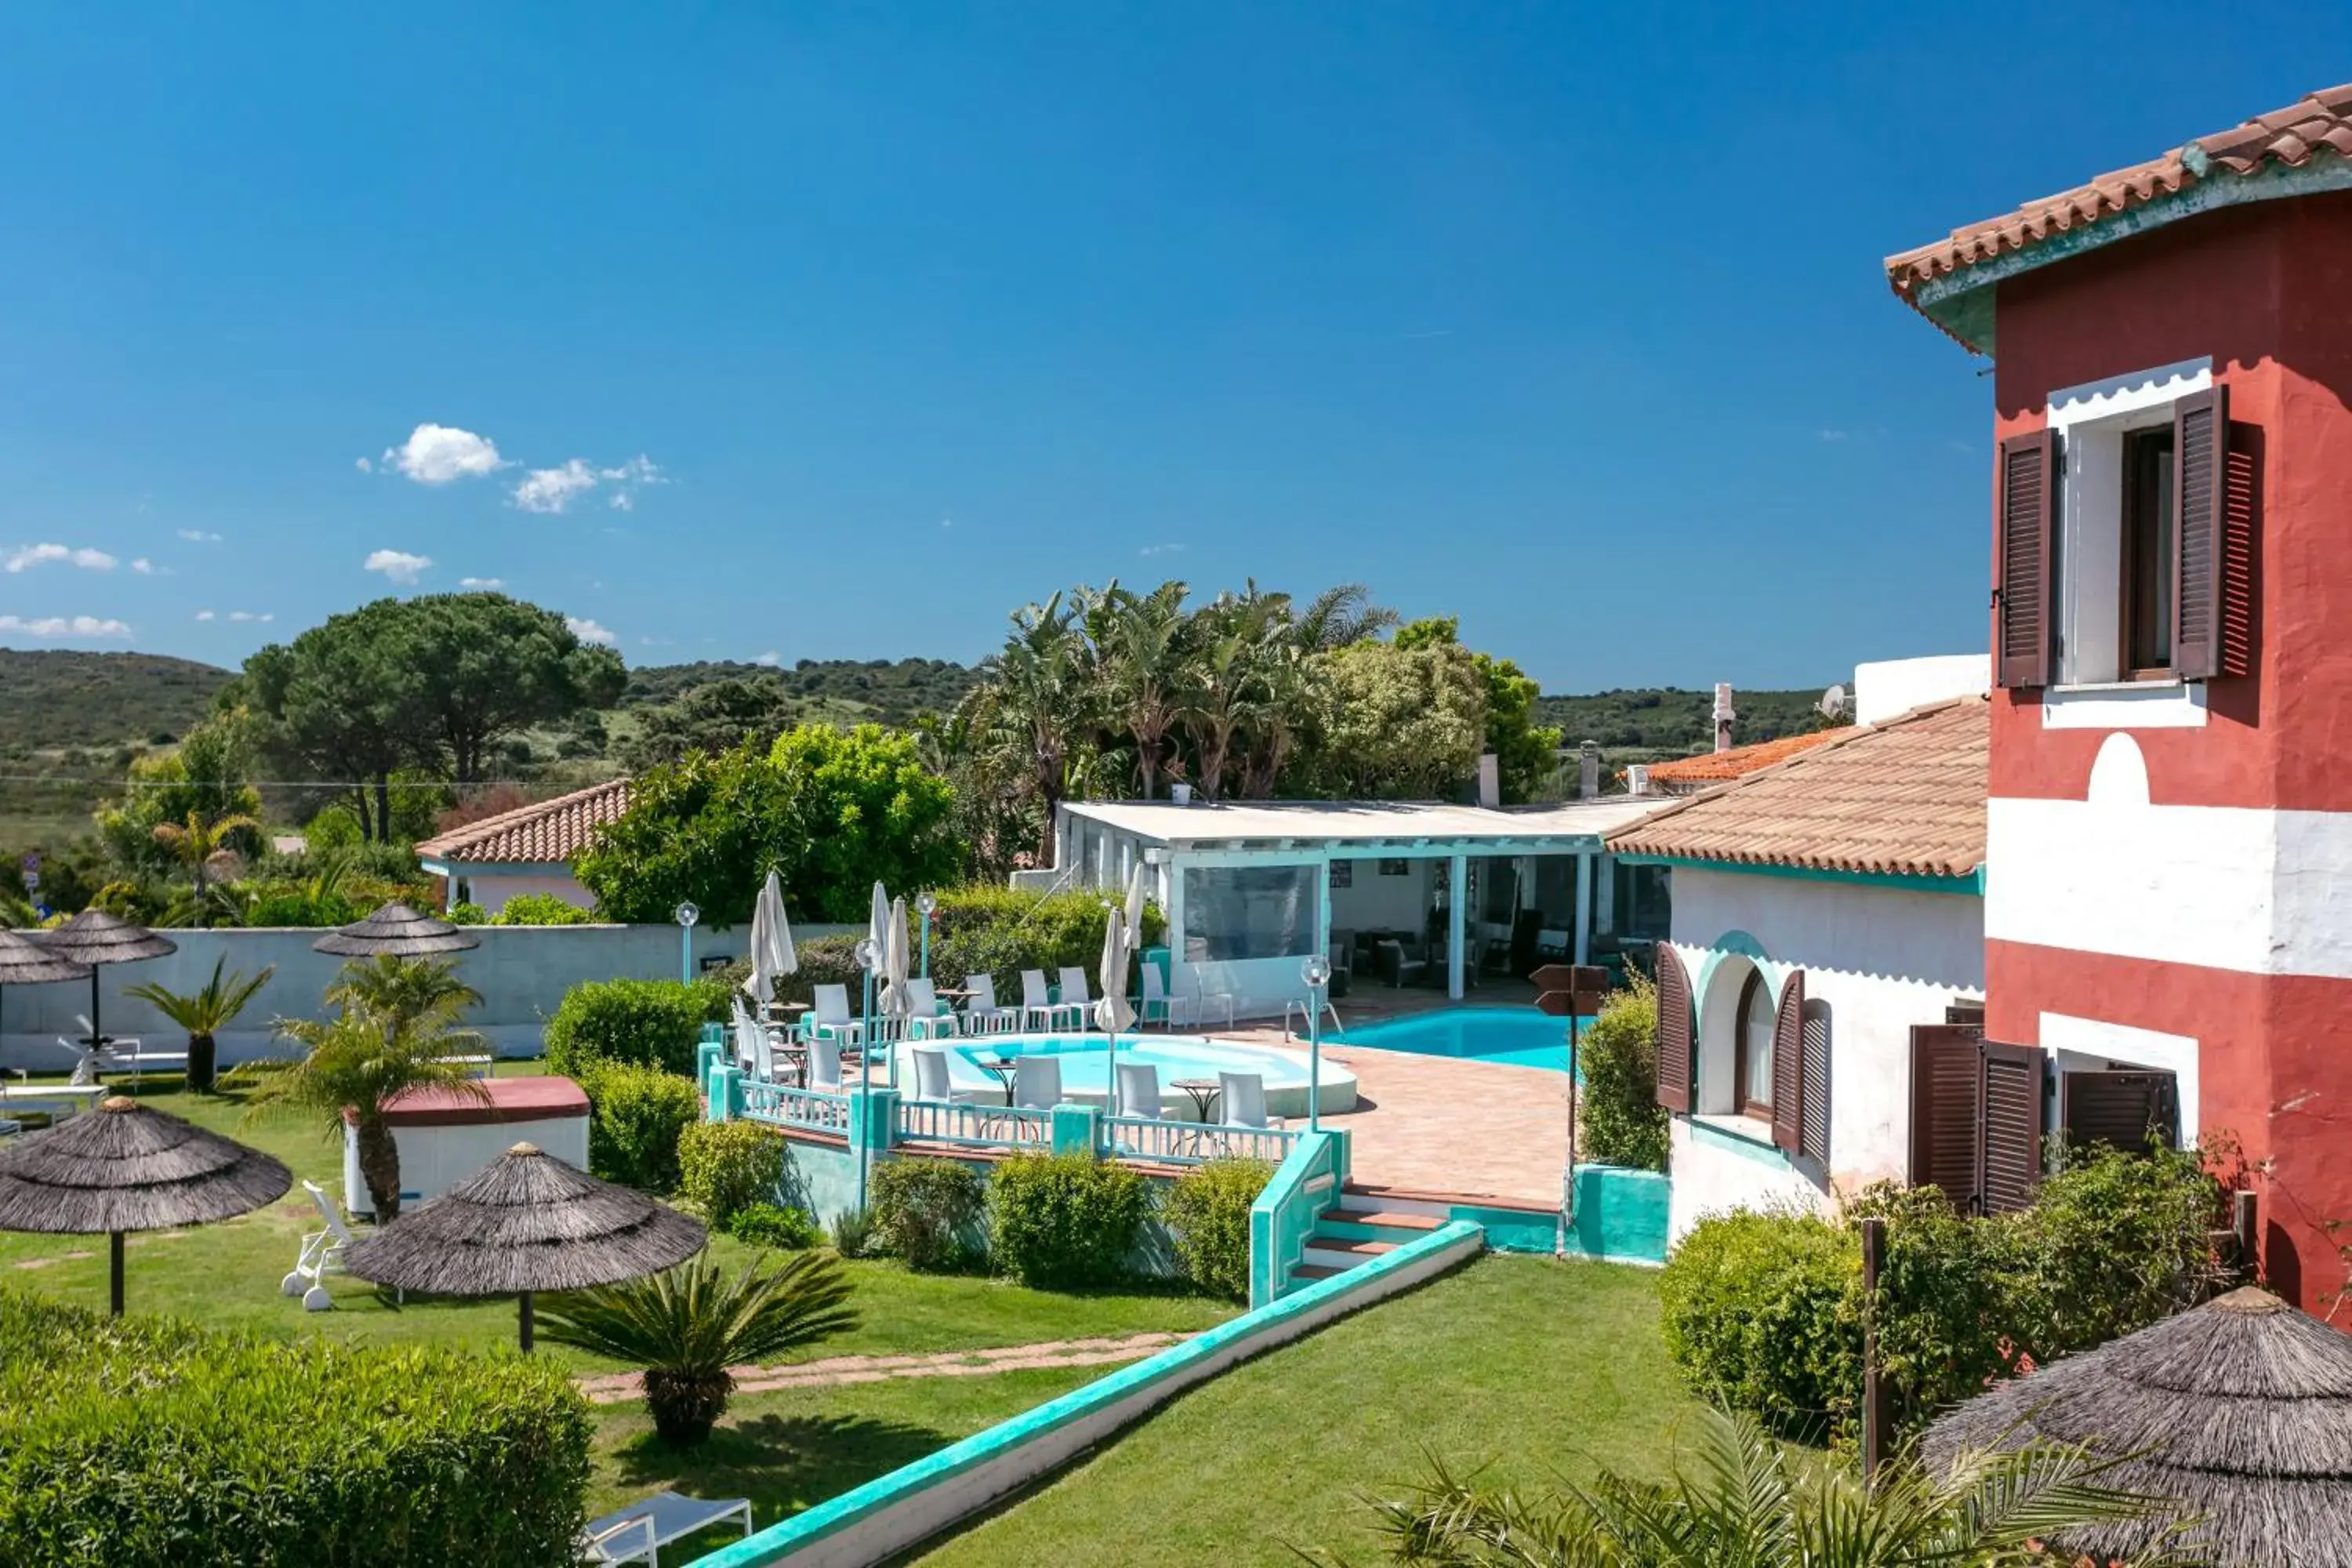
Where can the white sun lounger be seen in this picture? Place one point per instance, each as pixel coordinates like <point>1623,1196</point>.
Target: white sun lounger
<point>321,1254</point>
<point>639,1533</point>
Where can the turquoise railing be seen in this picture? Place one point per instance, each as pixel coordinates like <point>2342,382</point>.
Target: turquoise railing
<point>976,1126</point>
<point>1194,1142</point>
<point>1306,1182</point>
<point>806,1109</point>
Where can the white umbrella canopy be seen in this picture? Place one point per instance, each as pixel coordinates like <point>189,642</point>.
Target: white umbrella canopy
<point>896,1002</point>
<point>1112,1010</point>
<point>773,955</point>
<point>1135,908</point>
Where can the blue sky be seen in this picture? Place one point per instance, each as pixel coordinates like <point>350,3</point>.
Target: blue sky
<point>866,324</point>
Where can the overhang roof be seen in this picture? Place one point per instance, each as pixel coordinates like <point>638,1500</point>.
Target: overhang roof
<point>1738,762</point>
<point>550,833</point>
<point>2309,140</point>
<point>1905,798</point>
<point>1374,824</point>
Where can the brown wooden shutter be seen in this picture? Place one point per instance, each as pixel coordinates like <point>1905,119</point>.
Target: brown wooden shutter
<point>1675,1063</point>
<point>1946,1096</point>
<point>2010,1168</point>
<point>1815,1141</point>
<point>2130,1111</point>
<point>1789,1064</point>
<point>2022,599</point>
<point>2201,458</point>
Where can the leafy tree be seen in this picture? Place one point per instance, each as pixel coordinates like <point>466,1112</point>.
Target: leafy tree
<point>1149,663</point>
<point>687,1325</point>
<point>344,702</point>
<point>1525,754</point>
<point>1401,724</point>
<point>203,1014</point>
<point>398,989</point>
<point>209,777</point>
<point>489,666</point>
<point>203,849</point>
<point>1617,1104</point>
<point>712,718</point>
<point>1340,616</point>
<point>832,812</point>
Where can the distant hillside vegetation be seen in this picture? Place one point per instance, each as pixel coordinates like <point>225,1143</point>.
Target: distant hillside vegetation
<point>52,700</point>
<point>1668,721</point>
<point>887,691</point>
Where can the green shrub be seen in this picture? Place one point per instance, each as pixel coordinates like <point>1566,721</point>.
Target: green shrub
<point>725,1167</point>
<point>1749,1306</point>
<point>466,914</point>
<point>2116,1241</point>
<point>150,1443</point>
<point>852,1230</point>
<point>539,909</point>
<point>1944,1291</point>
<point>278,905</point>
<point>1618,1117</point>
<point>635,1117</point>
<point>655,1022</point>
<point>922,1210</point>
<point>996,932</point>
<point>1058,1221</point>
<point>1208,1213</point>
<point>769,1225</point>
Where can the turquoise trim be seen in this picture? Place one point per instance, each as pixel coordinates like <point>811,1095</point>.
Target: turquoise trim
<point>1621,1215</point>
<point>1973,883</point>
<point>1306,1182</point>
<point>778,1542</point>
<point>1750,1149</point>
<point>1512,1230</point>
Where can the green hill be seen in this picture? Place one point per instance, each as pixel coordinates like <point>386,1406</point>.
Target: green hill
<point>53,700</point>
<point>883,690</point>
<point>1663,721</point>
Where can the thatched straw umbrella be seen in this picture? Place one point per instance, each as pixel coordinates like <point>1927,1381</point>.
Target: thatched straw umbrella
<point>94,937</point>
<point>397,931</point>
<point>2241,1409</point>
<point>524,1223</point>
<point>127,1167</point>
<point>24,962</point>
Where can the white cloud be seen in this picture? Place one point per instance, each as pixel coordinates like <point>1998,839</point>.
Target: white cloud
<point>1161,550</point>
<point>146,568</point>
<point>947,522</point>
<point>398,565</point>
<point>243,616</point>
<point>769,659</point>
<point>198,536</point>
<point>481,583</point>
<point>1833,434</point>
<point>623,501</point>
<point>362,465</point>
<point>203,615</point>
<point>552,489</point>
<point>30,555</point>
<point>436,454</point>
<point>65,626</point>
<point>589,631</point>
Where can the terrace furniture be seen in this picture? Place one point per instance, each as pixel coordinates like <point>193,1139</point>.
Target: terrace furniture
<point>476,1065</point>
<point>1203,1091</point>
<point>639,1533</point>
<point>1139,1090</point>
<point>1001,1069</point>
<point>982,1016</point>
<point>928,1020</point>
<point>1155,994</point>
<point>1399,963</point>
<point>1038,1008</point>
<point>1074,996</point>
<point>830,1019</point>
<point>321,1254</point>
<point>54,1100</point>
<point>824,1070</point>
<point>122,1054</point>
<point>1036,1083</point>
<point>1202,996</point>
<point>1307,1007</point>
<point>9,1128</point>
<point>1245,1096</point>
<point>932,1080</point>
<point>1342,952</point>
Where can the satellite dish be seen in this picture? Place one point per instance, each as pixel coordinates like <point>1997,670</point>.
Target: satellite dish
<point>1832,702</point>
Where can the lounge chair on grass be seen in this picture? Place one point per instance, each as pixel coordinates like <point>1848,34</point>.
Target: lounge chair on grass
<point>321,1254</point>
<point>639,1533</point>
<point>982,1016</point>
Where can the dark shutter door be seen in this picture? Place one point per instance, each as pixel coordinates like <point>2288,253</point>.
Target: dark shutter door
<point>2011,1168</point>
<point>2200,452</point>
<point>1674,1031</point>
<point>1789,1064</point>
<point>2022,599</point>
<point>2130,1111</point>
<point>1946,1091</point>
<point>1816,1139</point>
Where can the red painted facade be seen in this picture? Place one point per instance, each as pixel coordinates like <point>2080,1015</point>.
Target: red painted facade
<point>2265,290</point>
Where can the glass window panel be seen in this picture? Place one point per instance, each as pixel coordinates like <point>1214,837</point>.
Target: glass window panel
<point>1238,912</point>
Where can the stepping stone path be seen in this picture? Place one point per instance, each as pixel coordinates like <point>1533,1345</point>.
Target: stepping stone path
<point>834,1372</point>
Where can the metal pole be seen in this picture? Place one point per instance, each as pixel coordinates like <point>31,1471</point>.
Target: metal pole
<point>1315,1060</point>
<point>927,945</point>
<point>114,1271</point>
<point>1874,1409</point>
<point>524,1315</point>
<point>686,953</point>
<point>1575,1108</point>
<point>865,1057</point>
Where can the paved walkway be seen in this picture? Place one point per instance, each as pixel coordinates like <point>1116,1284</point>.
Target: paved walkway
<point>835,1371</point>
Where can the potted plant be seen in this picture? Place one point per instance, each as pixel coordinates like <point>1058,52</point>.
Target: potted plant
<point>203,1014</point>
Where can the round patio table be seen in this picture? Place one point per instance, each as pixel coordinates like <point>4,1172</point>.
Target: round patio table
<point>1003,1069</point>
<point>1204,1092</point>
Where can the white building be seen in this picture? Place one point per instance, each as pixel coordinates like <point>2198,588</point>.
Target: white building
<point>1827,912</point>
<point>527,850</point>
<point>1251,887</point>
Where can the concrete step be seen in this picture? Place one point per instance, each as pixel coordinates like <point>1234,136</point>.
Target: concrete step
<point>1342,1252</point>
<point>1357,1199</point>
<point>1376,1224</point>
<point>1306,1272</point>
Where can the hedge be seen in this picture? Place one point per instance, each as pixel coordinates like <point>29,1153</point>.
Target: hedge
<point>635,1116</point>
<point>1617,1104</point>
<point>654,1022</point>
<point>151,1443</point>
<point>1059,1221</point>
<point>1208,1213</point>
<point>726,1167</point>
<point>923,1209</point>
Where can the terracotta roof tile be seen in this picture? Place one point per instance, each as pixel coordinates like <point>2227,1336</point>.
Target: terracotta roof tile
<point>1902,798</point>
<point>2292,136</point>
<point>1738,762</point>
<point>548,833</point>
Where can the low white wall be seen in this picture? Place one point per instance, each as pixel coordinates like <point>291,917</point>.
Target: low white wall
<point>522,973</point>
<point>1893,687</point>
<point>435,1158</point>
<point>491,890</point>
<point>1716,1171</point>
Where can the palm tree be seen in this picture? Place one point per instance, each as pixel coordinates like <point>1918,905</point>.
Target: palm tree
<point>1746,1504</point>
<point>687,1325</point>
<point>1038,701</point>
<point>204,1014</point>
<point>1341,616</point>
<point>358,1061</point>
<point>204,849</point>
<point>1147,671</point>
<point>392,987</point>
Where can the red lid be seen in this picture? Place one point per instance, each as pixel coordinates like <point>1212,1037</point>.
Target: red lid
<point>511,1099</point>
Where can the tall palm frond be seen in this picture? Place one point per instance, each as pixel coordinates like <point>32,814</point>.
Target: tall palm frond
<point>394,987</point>
<point>1342,615</point>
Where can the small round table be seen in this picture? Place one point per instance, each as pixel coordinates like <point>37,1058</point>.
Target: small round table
<point>1204,1092</point>
<point>1003,1069</point>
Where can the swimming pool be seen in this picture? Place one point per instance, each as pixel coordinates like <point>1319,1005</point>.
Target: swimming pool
<point>1517,1037</point>
<point>1085,1069</point>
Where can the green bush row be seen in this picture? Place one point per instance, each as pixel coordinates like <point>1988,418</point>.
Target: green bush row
<point>636,1117</point>
<point>1617,1106</point>
<point>654,1022</point>
<point>149,1443</point>
<point>1767,1310</point>
<point>726,1167</point>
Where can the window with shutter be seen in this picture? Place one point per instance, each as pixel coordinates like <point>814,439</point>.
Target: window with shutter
<point>1789,1064</point>
<point>2021,598</point>
<point>1947,1092</point>
<point>2200,443</point>
<point>2010,1159</point>
<point>1815,1139</point>
<point>2131,1110</point>
<point>1674,1033</point>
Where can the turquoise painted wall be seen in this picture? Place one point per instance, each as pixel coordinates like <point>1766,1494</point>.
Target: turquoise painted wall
<point>1621,1215</point>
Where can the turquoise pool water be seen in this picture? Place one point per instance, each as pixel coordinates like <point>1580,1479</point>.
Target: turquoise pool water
<point>1517,1036</point>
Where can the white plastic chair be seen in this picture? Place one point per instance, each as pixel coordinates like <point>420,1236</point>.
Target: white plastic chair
<point>1036,1083</point>
<point>1244,1099</point>
<point>1079,1002</point>
<point>1138,1090</point>
<point>830,1017</point>
<point>1173,1010</point>
<point>931,1079</point>
<point>321,1254</point>
<point>824,1064</point>
<point>928,1020</point>
<point>1202,996</point>
<point>1038,1008</point>
<point>982,1016</point>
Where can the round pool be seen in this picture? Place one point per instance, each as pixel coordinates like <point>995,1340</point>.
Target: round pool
<point>1085,1069</point>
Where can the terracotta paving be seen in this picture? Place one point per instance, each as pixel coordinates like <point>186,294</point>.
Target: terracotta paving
<point>619,1388</point>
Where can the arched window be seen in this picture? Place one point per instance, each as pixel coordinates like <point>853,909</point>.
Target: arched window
<point>1753,1069</point>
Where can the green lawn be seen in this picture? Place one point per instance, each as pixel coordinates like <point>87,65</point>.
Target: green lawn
<point>1539,1367</point>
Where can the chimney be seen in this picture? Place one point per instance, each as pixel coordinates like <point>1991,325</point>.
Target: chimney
<point>1490,781</point>
<point>1723,715</point>
<point>1588,769</point>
